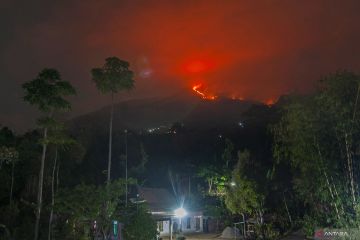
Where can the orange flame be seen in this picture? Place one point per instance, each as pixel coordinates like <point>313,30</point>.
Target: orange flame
<point>196,89</point>
<point>236,97</point>
<point>270,102</point>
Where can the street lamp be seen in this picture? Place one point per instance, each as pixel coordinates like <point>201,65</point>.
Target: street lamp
<point>180,213</point>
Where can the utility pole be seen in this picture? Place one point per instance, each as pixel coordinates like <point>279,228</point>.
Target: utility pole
<point>189,187</point>
<point>126,169</point>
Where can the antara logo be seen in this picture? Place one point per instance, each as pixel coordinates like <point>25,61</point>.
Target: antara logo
<point>322,234</point>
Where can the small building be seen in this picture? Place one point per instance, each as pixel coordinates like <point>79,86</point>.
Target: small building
<point>162,205</point>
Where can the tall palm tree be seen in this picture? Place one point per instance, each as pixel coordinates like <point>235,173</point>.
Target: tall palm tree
<point>112,78</point>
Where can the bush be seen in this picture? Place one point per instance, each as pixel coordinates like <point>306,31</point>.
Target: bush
<point>139,225</point>
<point>270,232</point>
<point>309,224</point>
<point>266,231</point>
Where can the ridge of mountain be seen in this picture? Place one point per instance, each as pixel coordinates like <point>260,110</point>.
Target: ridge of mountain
<point>145,113</point>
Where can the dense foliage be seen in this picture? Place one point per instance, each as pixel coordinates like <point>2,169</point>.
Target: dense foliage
<point>319,136</point>
<point>138,223</point>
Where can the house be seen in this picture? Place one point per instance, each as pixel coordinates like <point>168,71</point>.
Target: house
<point>166,211</point>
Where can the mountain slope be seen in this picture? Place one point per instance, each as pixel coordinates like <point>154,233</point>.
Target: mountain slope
<point>148,113</point>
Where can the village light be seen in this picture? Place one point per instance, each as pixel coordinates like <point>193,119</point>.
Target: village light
<point>233,184</point>
<point>180,212</point>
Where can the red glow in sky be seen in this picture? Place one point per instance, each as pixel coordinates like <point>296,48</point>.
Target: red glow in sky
<point>255,50</point>
<point>198,66</point>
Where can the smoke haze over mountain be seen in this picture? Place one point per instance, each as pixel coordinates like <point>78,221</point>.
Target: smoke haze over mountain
<point>250,49</point>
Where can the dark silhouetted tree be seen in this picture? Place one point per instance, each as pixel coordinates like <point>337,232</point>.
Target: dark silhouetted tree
<point>112,78</point>
<point>319,135</point>
<point>47,92</point>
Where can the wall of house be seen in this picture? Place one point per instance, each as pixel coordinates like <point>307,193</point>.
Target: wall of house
<point>190,224</point>
<point>163,227</point>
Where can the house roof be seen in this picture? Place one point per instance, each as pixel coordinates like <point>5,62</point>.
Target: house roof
<point>158,199</point>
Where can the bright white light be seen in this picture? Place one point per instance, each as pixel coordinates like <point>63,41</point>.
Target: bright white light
<point>233,184</point>
<point>180,212</point>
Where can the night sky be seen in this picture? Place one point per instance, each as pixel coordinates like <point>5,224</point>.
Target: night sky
<point>246,49</point>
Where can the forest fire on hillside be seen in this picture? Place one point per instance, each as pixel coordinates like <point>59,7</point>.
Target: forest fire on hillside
<point>197,89</point>
<point>200,90</point>
<point>270,102</point>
